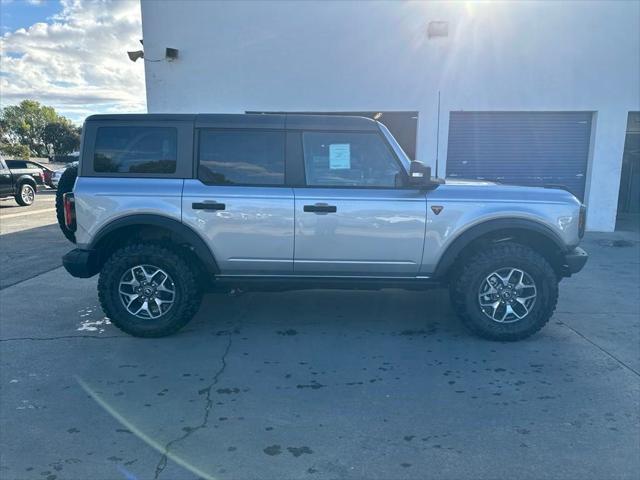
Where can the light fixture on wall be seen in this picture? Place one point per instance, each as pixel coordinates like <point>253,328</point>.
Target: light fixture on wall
<point>133,56</point>
<point>438,29</point>
<point>170,54</point>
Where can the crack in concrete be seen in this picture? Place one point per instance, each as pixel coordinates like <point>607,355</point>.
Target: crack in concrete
<point>162,463</point>
<point>603,350</point>
<point>61,337</point>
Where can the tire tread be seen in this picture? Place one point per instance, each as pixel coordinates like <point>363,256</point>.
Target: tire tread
<point>65,185</point>
<point>189,305</point>
<point>464,276</point>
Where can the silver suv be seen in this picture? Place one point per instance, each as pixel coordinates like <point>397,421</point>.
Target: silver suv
<point>166,207</point>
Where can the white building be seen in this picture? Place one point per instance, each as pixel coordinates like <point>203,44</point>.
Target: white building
<point>531,92</point>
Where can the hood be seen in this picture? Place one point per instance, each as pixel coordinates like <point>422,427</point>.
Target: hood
<point>483,190</point>
<point>468,181</point>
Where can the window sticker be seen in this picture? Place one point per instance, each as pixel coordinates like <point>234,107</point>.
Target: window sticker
<point>339,156</point>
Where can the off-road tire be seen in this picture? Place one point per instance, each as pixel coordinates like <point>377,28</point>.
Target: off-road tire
<point>468,277</point>
<point>65,185</point>
<point>18,195</point>
<point>187,298</point>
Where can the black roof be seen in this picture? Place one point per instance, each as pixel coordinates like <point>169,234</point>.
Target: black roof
<point>249,120</point>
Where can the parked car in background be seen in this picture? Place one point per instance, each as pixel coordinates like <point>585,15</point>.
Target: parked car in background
<point>29,168</point>
<point>55,177</point>
<point>47,171</point>
<point>18,183</point>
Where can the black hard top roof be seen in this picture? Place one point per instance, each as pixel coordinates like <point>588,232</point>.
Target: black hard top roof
<point>249,120</point>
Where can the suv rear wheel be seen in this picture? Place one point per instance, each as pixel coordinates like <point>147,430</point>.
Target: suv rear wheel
<point>147,290</point>
<point>506,292</point>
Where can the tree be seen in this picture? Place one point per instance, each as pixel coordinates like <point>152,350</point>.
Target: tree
<point>16,151</point>
<point>61,138</point>
<point>24,124</point>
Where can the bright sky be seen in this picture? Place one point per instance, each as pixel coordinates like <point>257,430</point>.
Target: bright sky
<point>72,55</point>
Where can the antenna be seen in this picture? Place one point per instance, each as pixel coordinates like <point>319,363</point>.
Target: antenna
<point>438,134</point>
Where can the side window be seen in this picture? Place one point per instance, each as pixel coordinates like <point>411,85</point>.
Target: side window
<point>235,157</point>
<point>349,159</point>
<point>135,150</point>
<point>17,164</point>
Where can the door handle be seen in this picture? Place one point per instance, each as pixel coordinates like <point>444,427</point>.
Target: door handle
<point>320,208</point>
<point>208,206</point>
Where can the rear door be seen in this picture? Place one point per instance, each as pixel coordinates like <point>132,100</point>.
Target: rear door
<point>354,216</point>
<point>239,202</point>
<point>21,167</point>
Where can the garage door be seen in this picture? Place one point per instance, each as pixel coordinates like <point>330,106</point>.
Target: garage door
<point>522,148</point>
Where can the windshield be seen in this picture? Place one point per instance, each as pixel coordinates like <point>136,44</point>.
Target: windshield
<point>406,161</point>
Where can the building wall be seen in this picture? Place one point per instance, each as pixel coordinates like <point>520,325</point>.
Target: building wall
<point>364,56</point>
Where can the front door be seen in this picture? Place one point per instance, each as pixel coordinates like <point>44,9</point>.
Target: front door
<point>239,202</point>
<point>354,217</point>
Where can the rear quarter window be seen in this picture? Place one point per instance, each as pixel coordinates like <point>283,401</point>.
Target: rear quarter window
<point>16,164</point>
<point>138,150</point>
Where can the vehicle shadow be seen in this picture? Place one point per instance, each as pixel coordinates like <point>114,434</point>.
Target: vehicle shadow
<point>418,310</point>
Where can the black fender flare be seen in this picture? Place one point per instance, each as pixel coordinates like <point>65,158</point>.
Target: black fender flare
<point>473,233</point>
<point>25,178</point>
<point>181,231</point>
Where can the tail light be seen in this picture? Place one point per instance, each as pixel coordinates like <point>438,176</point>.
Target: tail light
<point>69,211</point>
<point>582,221</point>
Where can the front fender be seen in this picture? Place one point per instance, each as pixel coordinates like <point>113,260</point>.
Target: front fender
<point>467,236</point>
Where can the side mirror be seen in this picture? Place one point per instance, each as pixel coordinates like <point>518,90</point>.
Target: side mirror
<point>419,175</point>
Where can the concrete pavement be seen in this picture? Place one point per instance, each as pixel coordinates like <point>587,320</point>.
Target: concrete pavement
<point>30,239</point>
<point>323,385</point>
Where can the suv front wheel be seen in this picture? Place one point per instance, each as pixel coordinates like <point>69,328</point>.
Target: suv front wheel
<point>147,290</point>
<point>505,292</point>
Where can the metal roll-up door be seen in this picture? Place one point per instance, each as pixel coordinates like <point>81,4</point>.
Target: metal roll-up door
<point>521,148</point>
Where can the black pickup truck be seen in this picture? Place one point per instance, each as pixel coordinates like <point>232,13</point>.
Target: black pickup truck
<point>20,184</point>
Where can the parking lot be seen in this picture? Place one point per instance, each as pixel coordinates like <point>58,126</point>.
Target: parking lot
<point>313,384</point>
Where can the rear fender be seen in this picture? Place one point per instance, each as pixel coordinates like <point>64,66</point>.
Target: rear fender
<point>180,233</point>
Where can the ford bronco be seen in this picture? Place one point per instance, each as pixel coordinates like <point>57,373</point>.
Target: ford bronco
<point>166,207</point>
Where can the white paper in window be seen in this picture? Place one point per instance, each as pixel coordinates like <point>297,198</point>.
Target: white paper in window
<point>339,156</point>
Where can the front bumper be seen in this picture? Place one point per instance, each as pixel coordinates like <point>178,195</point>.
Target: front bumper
<point>574,261</point>
<point>81,263</point>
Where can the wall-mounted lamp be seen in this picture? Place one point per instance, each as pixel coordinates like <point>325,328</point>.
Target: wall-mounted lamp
<point>170,54</point>
<point>133,56</point>
<point>438,29</point>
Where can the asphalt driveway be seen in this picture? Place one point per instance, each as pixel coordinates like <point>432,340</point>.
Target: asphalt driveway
<point>324,385</point>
